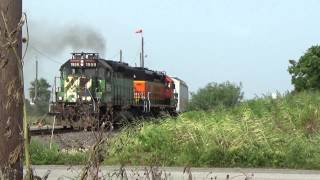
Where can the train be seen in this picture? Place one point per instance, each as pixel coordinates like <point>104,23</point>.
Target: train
<point>112,91</point>
<point>182,93</point>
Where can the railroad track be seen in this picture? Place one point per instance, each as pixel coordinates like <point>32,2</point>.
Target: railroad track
<point>47,130</point>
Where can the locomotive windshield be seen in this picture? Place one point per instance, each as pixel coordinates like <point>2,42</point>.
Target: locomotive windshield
<point>89,72</point>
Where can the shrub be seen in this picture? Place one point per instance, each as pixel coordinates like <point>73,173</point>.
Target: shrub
<point>263,132</point>
<point>215,95</point>
<point>41,154</point>
<point>305,73</point>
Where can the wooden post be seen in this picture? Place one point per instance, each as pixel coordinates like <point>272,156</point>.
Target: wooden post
<point>53,124</point>
<point>36,83</point>
<point>11,90</point>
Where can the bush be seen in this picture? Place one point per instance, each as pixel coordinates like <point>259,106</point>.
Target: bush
<point>264,132</point>
<point>41,154</point>
<point>305,73</point>
<point>39,109</point>
<point>216,95</point>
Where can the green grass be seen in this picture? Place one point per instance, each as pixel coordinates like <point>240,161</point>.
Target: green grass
<point>263,132</point>
<point>41,154</point>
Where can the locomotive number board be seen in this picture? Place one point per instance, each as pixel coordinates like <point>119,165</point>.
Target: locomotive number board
<point>83,63</point>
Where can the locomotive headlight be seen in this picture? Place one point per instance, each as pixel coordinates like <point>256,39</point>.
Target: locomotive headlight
<point>82,62</point>
<point>83,98</point>
<point>88,98</point>
<point>60,96</point>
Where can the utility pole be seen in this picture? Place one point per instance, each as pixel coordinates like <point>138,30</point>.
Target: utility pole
<point>11,90</point>
<point>140,59</point>
<point>140,31</point>
<point>142,51</point>
<point>121,55</point>
<point>36,82</point>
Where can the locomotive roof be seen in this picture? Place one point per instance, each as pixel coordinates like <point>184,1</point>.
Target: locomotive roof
<point>138,73</point>
<point>180,80</point>
<point>102,62</point>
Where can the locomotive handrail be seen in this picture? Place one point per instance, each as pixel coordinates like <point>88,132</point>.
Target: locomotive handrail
<point>149,102</point>
<point>94,102</point>
<point>56,88</point>
<point>143,97</point>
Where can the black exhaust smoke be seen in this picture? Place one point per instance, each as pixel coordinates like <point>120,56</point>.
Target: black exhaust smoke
<point>54,40</point>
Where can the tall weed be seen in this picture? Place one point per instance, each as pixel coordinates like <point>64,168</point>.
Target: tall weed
<point>263,132</point>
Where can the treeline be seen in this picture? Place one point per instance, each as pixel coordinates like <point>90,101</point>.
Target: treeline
<point>216,95</point>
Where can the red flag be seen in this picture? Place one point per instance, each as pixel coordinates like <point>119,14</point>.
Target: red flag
<point>139,31</point>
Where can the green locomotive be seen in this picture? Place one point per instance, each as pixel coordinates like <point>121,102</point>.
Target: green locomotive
<point>108,91</point>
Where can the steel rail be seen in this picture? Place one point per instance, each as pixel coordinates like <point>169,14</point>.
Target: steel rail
<point>39,131</point>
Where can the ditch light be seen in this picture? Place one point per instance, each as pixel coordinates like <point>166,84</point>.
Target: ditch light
<point>86,98</point>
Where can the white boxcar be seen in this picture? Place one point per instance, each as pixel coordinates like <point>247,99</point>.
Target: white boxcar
<point>181,89</point>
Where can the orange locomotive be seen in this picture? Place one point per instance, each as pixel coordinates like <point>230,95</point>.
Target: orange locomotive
<point>158,93</point>
<point>153,91</point>
<point>154,94</point>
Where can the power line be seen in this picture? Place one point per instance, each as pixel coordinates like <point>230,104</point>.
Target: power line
<point>44,55</point>
<point>115,55</point>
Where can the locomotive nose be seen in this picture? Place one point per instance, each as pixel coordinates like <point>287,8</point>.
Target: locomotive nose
<point>78,88</point>
<point>85,87</point>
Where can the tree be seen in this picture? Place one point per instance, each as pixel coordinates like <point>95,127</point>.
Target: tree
<point>43,96</point>
<point>11,90</point>
<point>43,91</point>
<point>213,95</point>
<point>306,72</point>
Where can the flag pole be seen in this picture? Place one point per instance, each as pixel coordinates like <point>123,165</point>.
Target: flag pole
<point>142,51</point>
<point>140,31</point>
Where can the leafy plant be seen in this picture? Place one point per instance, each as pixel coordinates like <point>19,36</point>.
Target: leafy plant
<point>41,154</point>
<point>216,95</point>
<point>263,132</point>
<point>41,102</point>
<point>305,73</point>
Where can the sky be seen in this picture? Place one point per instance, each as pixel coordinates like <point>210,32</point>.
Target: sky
<point>247,41</point>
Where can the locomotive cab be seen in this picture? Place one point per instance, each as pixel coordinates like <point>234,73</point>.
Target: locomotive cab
<point>82,79</point>
<point>84,85</point>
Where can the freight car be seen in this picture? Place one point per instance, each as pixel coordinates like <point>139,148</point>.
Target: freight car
<point>90,86</point>
<point>181,89</point>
